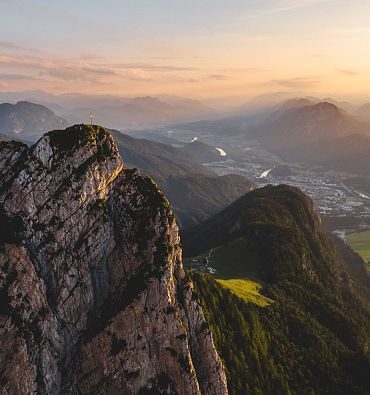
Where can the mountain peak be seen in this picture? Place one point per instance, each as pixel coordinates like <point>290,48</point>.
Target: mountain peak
<point>95,297</point>
<point>326,106</point>
<point>274,220</point>
<point>296,102</point>
<point>76,145</point>
<point>324,111</point>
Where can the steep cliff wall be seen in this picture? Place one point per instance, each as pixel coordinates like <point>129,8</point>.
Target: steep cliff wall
<point>93,296</point>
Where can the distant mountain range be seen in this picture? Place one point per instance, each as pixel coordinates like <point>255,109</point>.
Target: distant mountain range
<point>116,111</point>
<point>194,192</point>
<point>28,119</point>
<point>364,112</point>
<point>318,133</point>
<point>271,101</point>
<point>138,112</point>
<point>299,130</point>
<point>291,126</point>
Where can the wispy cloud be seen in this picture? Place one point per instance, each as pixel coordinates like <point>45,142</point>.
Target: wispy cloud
<point>7,45</point>
<point>348,72</point>
<point>279,7</point>
<point>150,67</point>
<point>16,77</point>
<point>252,37</point>
<point>93,72</point>
<point>297,83</point>
<point>218,77</point>
<point>350,30</point>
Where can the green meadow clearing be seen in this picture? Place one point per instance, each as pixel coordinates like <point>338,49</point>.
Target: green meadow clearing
<point>246,289</point>
<point>236,269</point>
<point>360,243</point>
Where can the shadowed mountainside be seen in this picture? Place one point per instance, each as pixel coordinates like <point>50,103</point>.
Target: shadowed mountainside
<point>194,192</point>
<point>313,337</point>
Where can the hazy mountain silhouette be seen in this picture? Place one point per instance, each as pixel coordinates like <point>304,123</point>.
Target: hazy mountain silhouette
<point>28,119</point>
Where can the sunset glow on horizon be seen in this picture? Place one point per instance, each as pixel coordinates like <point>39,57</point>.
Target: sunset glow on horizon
<point>197,48</point>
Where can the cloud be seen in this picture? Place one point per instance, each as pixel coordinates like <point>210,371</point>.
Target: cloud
<point>246,37</point>
<point>151,67</point>
<point>350,30</point>
<point>11,61</point>
<point>4,85</point>
<point>92,74</point>
<point>218,77</point>
<point>283,6</point>
<point>97,71</point>
<point>348,72</point>
<point>79,72</point>
<point>16,77</point>
<point>85,70</point>
<point>296,83</point>
<point>239,70</point>
<point>319,56</point>
<point>7,45</point>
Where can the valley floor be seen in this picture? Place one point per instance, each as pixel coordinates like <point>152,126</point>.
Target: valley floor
<point>343,198</point>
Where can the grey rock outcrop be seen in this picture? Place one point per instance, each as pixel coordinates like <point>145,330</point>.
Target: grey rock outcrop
<point>93,296</point>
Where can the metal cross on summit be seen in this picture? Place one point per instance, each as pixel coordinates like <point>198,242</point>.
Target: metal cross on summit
<point>91,118</point>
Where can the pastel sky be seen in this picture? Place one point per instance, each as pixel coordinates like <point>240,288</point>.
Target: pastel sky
<point>199,48</point>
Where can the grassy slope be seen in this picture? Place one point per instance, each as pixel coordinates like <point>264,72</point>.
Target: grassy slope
<point>360,243</point>
<point>237,270</point>
<point>248,290</point>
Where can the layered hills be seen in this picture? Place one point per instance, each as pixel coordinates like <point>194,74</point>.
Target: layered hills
<point>194,192</point>
<point>364,111</point>
<point>119,112</point>
<point>318,133</point>
<point>177,171</point>
<point>204,151</point>
<point>28,120</point>
<point>289,127</point>
<point>93,296</point>
<point>310,334</point>
<point>297,130</point>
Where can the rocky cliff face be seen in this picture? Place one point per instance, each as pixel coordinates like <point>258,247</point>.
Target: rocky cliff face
<point>93,296</point>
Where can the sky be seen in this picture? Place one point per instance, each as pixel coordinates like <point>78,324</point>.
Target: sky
<point>194,48</point>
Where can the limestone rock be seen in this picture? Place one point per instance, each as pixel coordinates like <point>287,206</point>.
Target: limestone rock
<point>93,296</point>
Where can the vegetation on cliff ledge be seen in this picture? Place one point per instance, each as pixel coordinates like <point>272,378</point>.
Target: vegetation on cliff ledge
<point>79,135</point>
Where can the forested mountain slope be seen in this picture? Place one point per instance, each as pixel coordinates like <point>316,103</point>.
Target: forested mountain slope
<point>314,336</point>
